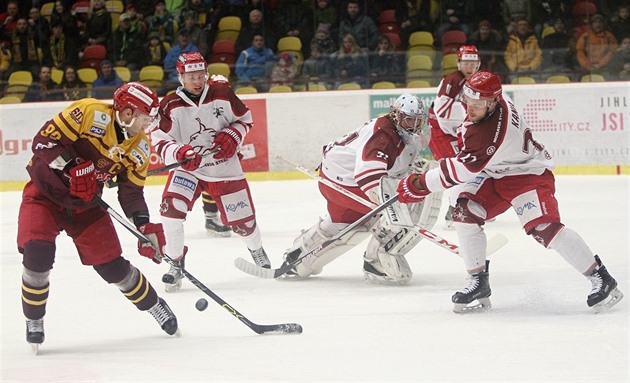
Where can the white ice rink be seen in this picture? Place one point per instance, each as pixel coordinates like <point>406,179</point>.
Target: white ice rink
<point>539,330</point>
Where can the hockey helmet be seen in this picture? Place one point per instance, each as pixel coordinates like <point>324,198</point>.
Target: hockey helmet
<point>468,53</point>
<point>191,62</point>
<point>137,96</point>
<point>482,88</point>
<point>408,113</point>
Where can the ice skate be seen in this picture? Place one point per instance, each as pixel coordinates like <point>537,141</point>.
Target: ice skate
<point>288,258</point>
<point>165,317</point>
<point>604,293</point>
<point>35,333</point>
<point>478,289</point>
<point>173,278</point>
<point>214,227</point>
<point>371,273</point>
<point>260,258</point>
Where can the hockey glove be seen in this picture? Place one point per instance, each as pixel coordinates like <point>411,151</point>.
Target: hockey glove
<point>226,142</point>
<point>154,250</point>
<point>82,180</point>
<point>408,192</point>
<point>189,159</point>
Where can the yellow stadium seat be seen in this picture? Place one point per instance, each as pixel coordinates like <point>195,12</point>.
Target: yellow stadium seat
<point>593,78</point>
<point>16,90</point>
<point>349,86</point>
<point>280,89</point>
<point>46,10</point>
<point>449,63</point>
<point>151,73</point>
<point>558,79</point>
<point>418,84</point>
<point>523,80</point>
<point>421,50</point>
<point>421,38</point>
<point>114,6</point>
<point>21,77</point>
<point>315,87</point>
<point>419,66</point>
<point>229,28</point>
<point>56,75</point>
<point>87,75</point>
<point>123,72</point>
<point>246,90</point>
<point>219,68</point>
<point>547,31</point>
<point>10,100</point>
<point>384,85</point>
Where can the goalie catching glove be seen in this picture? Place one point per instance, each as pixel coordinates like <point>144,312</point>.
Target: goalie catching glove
<point>226,142</point>
<point>189,159</point>
<point>82,175</point>
<point>407,190</point>
<point>154,250</point>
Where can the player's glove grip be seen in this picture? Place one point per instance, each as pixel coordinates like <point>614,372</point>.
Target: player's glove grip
<point>154,233</point>
<point>408,192</point>
<point>188,157</point>
<point>226,143</point>
<point>83,180</point>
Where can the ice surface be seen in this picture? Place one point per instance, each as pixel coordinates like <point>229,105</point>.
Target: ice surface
<point>540,329</point>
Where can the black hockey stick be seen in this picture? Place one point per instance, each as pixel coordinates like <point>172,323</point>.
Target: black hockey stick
<point>283,328</point>
<point>260,272</point>
<point>112,184</point>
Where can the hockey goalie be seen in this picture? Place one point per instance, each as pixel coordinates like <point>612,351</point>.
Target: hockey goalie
<point>362,170</point>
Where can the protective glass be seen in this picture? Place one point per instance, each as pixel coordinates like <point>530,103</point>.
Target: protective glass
<point>475,103</point>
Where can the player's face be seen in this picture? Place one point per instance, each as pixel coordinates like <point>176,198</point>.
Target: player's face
<point>468,67</point>
<point>477,110</point>
<point>411,123</point>
<point>194,82</point>
<point>140,124</point>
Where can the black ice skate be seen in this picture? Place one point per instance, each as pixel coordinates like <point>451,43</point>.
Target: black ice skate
<point>173,278</point>
<point>214,227</point>
<point>260,258</point>
<point>604,293</point>
<point>288,258</point>
<point>478,289</point>
<point>165,317</point>
<point>35,333</point>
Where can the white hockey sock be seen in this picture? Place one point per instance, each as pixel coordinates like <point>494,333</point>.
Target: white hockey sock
<point>574,250</point>
<point>174,232</point>
<point>472,245</point>
<point>254,240</point>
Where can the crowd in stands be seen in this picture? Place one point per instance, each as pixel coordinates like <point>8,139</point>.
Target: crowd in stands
<point>76,48</point>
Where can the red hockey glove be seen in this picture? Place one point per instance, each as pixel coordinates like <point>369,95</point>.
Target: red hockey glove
<point>408,192</point>
<point>154,250</point>
<point>226,142</point>
<point>188,157</point>
<point>83,180</point>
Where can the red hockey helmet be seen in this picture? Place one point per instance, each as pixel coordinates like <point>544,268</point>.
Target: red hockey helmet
<point>137,96</point>
<point>468,53</point>
<point>483,85</point>
<point>191,62</point>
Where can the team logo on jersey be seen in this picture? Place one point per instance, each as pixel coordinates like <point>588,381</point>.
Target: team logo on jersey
<point>218,112</point>
<point>144,147</point>
<point>77,115</point>
<point>490,151</point>
<point>49,145</point>
<point>137,157</point>
<point>101,118</point>
<point>102,163</point>
<point>98,131</point>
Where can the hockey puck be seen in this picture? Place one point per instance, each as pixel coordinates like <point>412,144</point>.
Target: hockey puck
<point>201,304</point>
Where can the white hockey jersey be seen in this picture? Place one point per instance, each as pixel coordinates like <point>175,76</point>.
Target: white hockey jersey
<point>363,156</point>
<point>500,145</point>
<point>183,121</point>
<point>447,108</point>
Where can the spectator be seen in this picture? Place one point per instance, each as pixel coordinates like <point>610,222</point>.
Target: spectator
<point>350,62</point>
<point>255,25</point>
<point>619,66</point>
<point>295,18</point>
<point>324,40</point>
<point>174,7</point>
<point>184,45</point>
<point>253,64</point>
<point>144,8</point>
<point>137,20</point>
<point>317,68</point>
<point>125,46</point>
<point>413,16</point>
<point>453,14</point>
<point>491,46</point>
<point>24,49</point>
<point>595,47</point>
<point>514,10</point>
<point>107,82</point>
<point>71,86</point>
<point>39,26</point>
<point>162,22</point>
<point>155,53</point>
<point>62,15</point>
<point>522,54</point>
<point>198,36</point>
<point>5,61</point>
<point>363,29</point>
<point>99,24</point>
<point>45,89</point>
<point>556,50</point>
<point>620,23</point>
<point>283,71</point>
<point>8,20</point>
<point>62,50</point>
<point>326,13</point>
<point>200,11</point>
<point>491,11</point>
<point>385,63</point>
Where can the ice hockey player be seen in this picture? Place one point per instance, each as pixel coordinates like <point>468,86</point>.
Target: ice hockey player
<point>502,165</point>
<point>74,153</point>
<point>447,112</point>
<point>204,122</point>
<point>366,165</point>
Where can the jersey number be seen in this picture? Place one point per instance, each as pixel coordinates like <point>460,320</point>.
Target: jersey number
<point>343,141</point>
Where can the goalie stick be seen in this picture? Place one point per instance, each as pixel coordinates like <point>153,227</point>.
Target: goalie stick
<point>494,243</point>
<point>283,328</point>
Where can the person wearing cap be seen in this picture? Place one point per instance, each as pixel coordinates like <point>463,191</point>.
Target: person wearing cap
<point>595,47</point>
<point>490,44</point>
<point>155,52</point>
<point>522,55</point>
<point>163,22</point>
<point>184,45</point>
<point>125,45</point>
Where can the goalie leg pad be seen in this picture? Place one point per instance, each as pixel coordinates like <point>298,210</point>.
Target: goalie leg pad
<point>394,266</point>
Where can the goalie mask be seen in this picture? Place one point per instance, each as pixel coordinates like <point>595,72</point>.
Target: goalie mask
<point>408,115</point>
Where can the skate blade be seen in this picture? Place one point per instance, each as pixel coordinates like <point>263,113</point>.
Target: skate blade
<point>34,348</point>
<point>218,234</point>
<point>173,287</point>
<point>482,305</point>
<point>383,280</point>
<point>613,298</point>
<point>178,333</point>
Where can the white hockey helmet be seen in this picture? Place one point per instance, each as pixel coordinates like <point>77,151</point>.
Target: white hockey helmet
<point>408,113</point>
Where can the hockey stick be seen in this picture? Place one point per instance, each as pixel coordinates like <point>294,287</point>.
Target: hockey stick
<point>113,184</point>
<point>494,243</point>
<point>284,328</point>
<point>257,271</point>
